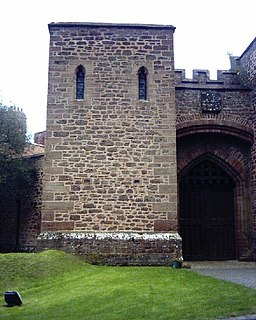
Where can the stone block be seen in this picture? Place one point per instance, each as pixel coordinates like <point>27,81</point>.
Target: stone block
<point>58,205</point>
<point>161,159</point>
<point>165,171</point>
<point>57,225</point>
<point>165,225</point>
<point>167,189</point>
<point>162,207</point>
<point>55,187</point>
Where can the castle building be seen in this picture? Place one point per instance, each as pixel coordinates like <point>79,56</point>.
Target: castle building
<point>110,169</point>
<point>142,165</point>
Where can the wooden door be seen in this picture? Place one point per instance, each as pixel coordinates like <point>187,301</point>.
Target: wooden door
<point>207,213</point>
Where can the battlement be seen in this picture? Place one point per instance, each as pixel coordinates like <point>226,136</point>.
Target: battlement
<point>18,111</point>
<point>226,79</point>
<point>14,108</point>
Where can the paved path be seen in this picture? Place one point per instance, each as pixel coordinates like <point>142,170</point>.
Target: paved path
<point>243,273</point>
<point>245,277</point>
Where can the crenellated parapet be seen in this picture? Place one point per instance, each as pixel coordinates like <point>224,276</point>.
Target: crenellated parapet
<point>226,79</point>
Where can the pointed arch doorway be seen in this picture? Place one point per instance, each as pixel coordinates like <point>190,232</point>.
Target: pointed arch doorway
<point>206,217</point>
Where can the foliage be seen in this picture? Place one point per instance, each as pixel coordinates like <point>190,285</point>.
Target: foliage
<point>13,131</point>
<point>55,285</point>
<point>17,175</point>
<point>15,170</point>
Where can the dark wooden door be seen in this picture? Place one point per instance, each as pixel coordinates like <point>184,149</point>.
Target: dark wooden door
<point>207,213</point>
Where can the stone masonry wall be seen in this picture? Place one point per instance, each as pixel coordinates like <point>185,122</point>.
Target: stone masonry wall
<point>215,118</point>
<point>247,66</point>
<point>235,100</point>
<point>31,206</point>
<point>117,248</point>
<point>235,157</point>
<point>110,158</point>
<point>20,216</point>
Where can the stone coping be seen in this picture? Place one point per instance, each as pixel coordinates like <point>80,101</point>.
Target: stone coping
<point>110,235</point>
<point>108,25</point>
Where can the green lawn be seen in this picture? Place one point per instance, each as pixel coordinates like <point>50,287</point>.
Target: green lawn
<point>58,286</point>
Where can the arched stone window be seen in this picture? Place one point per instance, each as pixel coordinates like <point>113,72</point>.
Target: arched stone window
<point>80,82</point>
<point>142,75</point>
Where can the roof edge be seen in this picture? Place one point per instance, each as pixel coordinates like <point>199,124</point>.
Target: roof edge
<point>247,49</point>
<point>108,25</point>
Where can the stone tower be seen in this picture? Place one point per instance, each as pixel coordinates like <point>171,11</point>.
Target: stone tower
<point>110,174</point>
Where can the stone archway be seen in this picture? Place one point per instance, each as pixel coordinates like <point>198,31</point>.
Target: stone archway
<point>207,217</point>
<point>226,142</point>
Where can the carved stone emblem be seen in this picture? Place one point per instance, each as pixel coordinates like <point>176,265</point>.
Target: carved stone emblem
<point>210,101</point>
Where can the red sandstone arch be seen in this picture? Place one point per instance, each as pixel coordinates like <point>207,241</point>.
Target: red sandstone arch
<point>215,125</point>
<point>234,169</point>
<point>232,159</point>
<point>231,171</point>
<point>200,216</point>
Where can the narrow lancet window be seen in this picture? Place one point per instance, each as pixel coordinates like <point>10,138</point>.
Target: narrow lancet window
<point>80,79</point>
<point>142,83</point>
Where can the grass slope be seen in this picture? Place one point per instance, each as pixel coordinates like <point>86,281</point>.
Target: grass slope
<point>58,286</point>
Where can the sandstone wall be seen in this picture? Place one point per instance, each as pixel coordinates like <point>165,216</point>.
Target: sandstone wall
<point>247,67</point>
<point>215,119</point>
<point>31,207</point>
<point>117,248</point>
<point>20,215</point>
<point>110,157</point>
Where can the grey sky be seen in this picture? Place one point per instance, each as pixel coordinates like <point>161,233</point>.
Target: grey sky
<point>205,32</point>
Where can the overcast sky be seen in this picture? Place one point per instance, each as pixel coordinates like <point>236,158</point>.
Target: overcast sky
<point>206,31</point>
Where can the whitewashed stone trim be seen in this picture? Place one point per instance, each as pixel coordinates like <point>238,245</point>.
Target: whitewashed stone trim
<point>110,235</point>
